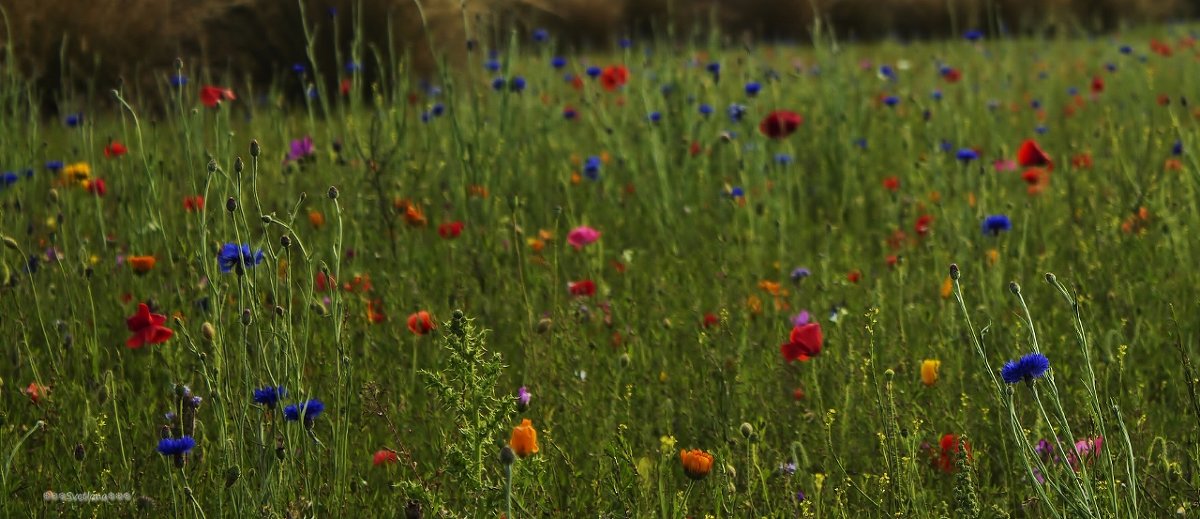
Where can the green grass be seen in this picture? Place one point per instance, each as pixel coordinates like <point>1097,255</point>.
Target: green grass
<point>624,379</point>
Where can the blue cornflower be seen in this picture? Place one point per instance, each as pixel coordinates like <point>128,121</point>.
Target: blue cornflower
<point>800,273</point>
<point>1125,49</point>
<point>426,116</point>
<point>498,84</point>
<point>736,112</point>
<point>269,395</point>
<point>973,35</point>
<point>654,117</point>
<point>625,43</point>
<point>966,155</point>
<point>1041,129</point>
<point>1027,368</point>
<point>541,35</point>
<point>995,224</point>
<point>232,255</point>
<point>54,165</point>
<point>1072,91</point>
<point>1177,148</point>
<point>8,178</point>
<point>569,113</point>
<point>783,159</point>
<point>178,80</point>
<point>74,119</point>
<point>593,71</point>
<point>438,109</point>
<point>309,411</point>
<point>753,88</point>
<point>714,68</point>
<point>558,62</point>
<point>886,72</point>
<point>298,68</point>
<point>312,92</point>
<point>492,65</point>
<point>1035,104</point>
<point>936,95</point>
<point>352,67</point>
<point>891,100</point>
<point>946,146</point>
<point>737,192</point>
<point>591,168</point>
<point>516,84</point>
<point>1111,67</point>
<point>861,142</point>
<point>176,446</point>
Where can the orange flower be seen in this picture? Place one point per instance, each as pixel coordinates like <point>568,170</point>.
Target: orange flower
<point>375,313</point>
<point>536,245</point>
<point>142,264</point>
<point>36,391</point>
<point>1173,165</point>
<point>947,288</point>
<point>771,287</point>
<point>316,219</point>
<point>929,371</point>
<point>696,463</point>
<point>524,439</point>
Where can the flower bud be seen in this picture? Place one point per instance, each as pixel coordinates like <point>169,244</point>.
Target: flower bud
<point>747,430</point>
<point>255,149</point>
<point>208,331</point>
<point>954,271</point>
<point>285,241</point>
<point>1014,288</point>
<point>238,165</point>
<point>332,193</point>
<point>231,204</point>
<point>246,317</point>
<point>507,456</point>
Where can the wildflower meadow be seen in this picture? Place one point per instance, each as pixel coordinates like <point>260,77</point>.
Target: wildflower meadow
<point>674,276</point>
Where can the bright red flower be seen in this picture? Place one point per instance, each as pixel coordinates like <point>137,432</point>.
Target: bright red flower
<point>1030,154</point>
<point>949,446</point>
<point>891,183</point>
<point>582,288</point>
<point>614,77</point>
<point>450,230</point>
<point>420,323</point>
<point>375,313</point>
<point>384,457</point>
<point>147,328</point>
<point>780,124</point>
<point>115,149</point>
<point>854,276</point>
<point>193,203</point>
<point>212,96</point>
<point>325,283</point>
<point>694,148</point>
<point>97,187</point>
<point>924,222</point>
<point>36,392</point>
<point>804,342</point>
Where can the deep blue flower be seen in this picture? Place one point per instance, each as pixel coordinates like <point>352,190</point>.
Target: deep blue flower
<point>1071,91</point>
<point>800,273</point>
<point>593,71</point>
<point>309,411</point>
<point>1125,49</point>
<point>54,165</point>
<point>9,178</point>
<point>625,43</point>
<point>753,88</point>
<point>591,168</point>
<point>232,255</point>
<point>1041,129</point>
<point>654,117</point>
<point>973,35</point>
<point>498,84</point>
<point>312,92</point>
<point>516,84</point>
<point>1177,148</point>
<point>887,72</point>
<point>179,80</point>
<point>783,159</point>
<point>492,65</point>
<point>736,112</point>
<point>426,116</point>
<point>861,142</point>
<point>438,109</point>
<point>966,155</point>
<point>298,68</point>
<point>891,100</point>
<point>541,35</point>
<point>737,192</point>
<point>937,95</point>
<point>995,224</point>
<point>946,146</point>
<point>74,119</point>
<point>1035,104</point>
<point>714,68</point>
<point>569,113</point>
<point>706,109</point>
<point>558,62</point>
<point>1111,67</point>
<point>176,446</point>
<point>1027,368</point>
<point>269,395</point>
<point>352,67</point>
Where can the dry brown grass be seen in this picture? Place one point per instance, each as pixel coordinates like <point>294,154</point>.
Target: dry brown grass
<point>107,40</point>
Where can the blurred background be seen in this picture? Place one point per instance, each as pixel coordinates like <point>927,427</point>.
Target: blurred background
<point>104,42</point>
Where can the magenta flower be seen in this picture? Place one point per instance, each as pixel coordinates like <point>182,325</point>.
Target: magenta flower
<point>582,235</point>
<point>1005,165</point>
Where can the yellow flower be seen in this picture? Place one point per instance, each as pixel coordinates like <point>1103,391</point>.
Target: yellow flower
<point>929,371</point>
<point>668,444</point>
<point>524,439</point>
<point>78,172</point>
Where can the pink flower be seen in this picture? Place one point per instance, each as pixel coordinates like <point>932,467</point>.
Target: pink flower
<point>582,235</point>
<point>1005,165</point>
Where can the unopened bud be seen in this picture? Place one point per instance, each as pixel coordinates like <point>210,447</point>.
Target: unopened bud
<point>246,317</point>
<point>10,243</point>
<point>1051,278</point>
<point>507,457</point>
<point>79,452</point>
<point>231,204</point>
<point>1014,288</point>
<point>284,241</point>
<point>954,271</point>
<point>212,166</point>
<point>238,165</point>
<point>332,193</point>
<point>747,430</point>
<point>544,324</point>
<point>255,149</point>
<point>208,331</point>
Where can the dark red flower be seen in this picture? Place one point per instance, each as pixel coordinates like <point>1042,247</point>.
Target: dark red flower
<point>952,75</point>
<point>854,276</point>
<point>614,77</point>
<point>344,88</point>
<point>147,328</point>
<point>892,260</point>
<point>97,187</point>
<point>212,96</point>
<point>709,320</point>
<point>924,222</point>
<point>804,342</point>
<point>1030,154</point>
<point>780,124</point>
<point>450,230</point>
<point>1097,84</point>
<point>420,323</point>
<point>115,149</point>
<point>891,183</point>
<point>582,288</point>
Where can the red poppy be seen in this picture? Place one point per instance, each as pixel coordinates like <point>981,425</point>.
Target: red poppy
<point>780,124</point>
<point>924,222</point>
<point>97,187</point>
<point>1163,100</point>
<point>1037,178</point>
<point>344,86</point>
<point>384,457</point>
<point>891,183</point>
<point>709,320</point>
<point>115,149</point>
<point>854,276</point>
<point>694,148</point>
<point>420,323</point>
<point>147,328</point>
<point>582,288</point>
<point>36,391</point>
<point>950,447</point>
<point>804,342</point>
<point>193,203</point>
<point>325,283</point>
<point>1160,48</point>
<point>1082,161</point>
<point>892,260</point>
<point>212,96</point>
<point>952,75</point>
<point>614,77</point>
<point>1097,84</point>
<point>1030,154</point>
<point>450,230</point>
<point>577,83</point>
<point>375,311</point>
<point>798,394</point>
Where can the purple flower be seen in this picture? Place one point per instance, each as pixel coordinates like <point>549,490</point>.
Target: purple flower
<point>800,273</point>
<point>801,318</point>
<point>523,396</point>
<point>300,149</point>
